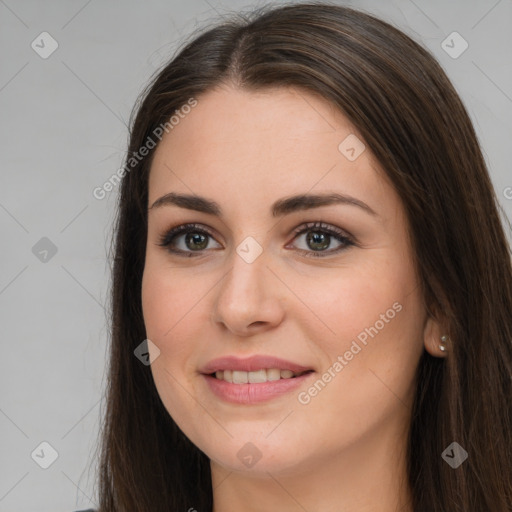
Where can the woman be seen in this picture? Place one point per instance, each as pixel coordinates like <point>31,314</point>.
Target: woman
<point>312,287</point>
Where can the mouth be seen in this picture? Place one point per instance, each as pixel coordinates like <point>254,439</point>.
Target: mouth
<point>253,380</point>
<point>256,377</point>
<point>255,366</point>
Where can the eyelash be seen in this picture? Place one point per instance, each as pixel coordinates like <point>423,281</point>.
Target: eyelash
<point>319,227</point>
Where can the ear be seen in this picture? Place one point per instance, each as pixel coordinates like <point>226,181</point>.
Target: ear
<point>432,333</point>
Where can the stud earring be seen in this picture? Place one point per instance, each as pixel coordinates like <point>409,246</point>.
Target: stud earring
<point>442,345</point>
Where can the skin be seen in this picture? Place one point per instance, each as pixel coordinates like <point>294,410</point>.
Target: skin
<point>345,449</point>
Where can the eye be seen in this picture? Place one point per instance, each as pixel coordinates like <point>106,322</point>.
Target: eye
<point>319,237</point>
<point>196,239</point>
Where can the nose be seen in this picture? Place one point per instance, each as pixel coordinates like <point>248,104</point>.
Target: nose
<point>248,299</point>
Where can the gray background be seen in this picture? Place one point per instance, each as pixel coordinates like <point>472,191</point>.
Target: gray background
<point>63,133</point>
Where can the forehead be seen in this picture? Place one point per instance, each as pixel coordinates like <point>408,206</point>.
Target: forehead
<point>249,148</point>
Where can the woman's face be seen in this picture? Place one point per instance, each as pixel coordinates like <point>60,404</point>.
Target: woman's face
<point>258,285</point>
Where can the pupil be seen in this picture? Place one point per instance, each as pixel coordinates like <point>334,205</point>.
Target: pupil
<point>315,238</point>
<point>196,238</point>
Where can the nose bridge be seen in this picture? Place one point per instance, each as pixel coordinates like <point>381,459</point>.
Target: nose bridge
<point>246,280</point>
<point>245,295</point>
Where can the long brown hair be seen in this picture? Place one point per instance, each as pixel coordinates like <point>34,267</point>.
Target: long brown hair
<point>402,103</point>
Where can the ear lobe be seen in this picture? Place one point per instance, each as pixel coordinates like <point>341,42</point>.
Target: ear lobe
<point>434,339</point>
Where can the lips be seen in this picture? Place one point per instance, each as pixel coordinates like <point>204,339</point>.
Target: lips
<point>253,380</point>
<point>252,364</point>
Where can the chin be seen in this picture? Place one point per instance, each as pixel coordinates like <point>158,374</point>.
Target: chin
<point>257,455</point>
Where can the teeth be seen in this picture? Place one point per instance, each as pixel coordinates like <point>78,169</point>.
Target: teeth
<point>263,375</point>
<point>273,374</point>
<point>240,377</point>
<point>255,377</point>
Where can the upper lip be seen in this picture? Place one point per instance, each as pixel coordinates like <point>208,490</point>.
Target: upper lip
<point>251,364</point>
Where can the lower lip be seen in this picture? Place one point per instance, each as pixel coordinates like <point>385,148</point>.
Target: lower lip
<point>253,393</point>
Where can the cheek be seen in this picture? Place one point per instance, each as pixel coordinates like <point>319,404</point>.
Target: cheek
<point>175,319</point>
<point>373,321</point>
<point>167,309</point>
<point>364,300</point>
<point>164,302</point>
<point>167,306</point>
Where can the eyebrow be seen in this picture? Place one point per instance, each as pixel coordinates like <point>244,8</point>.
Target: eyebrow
<point>281,207</point>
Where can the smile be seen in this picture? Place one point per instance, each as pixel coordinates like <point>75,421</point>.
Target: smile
<point>256,377</point>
